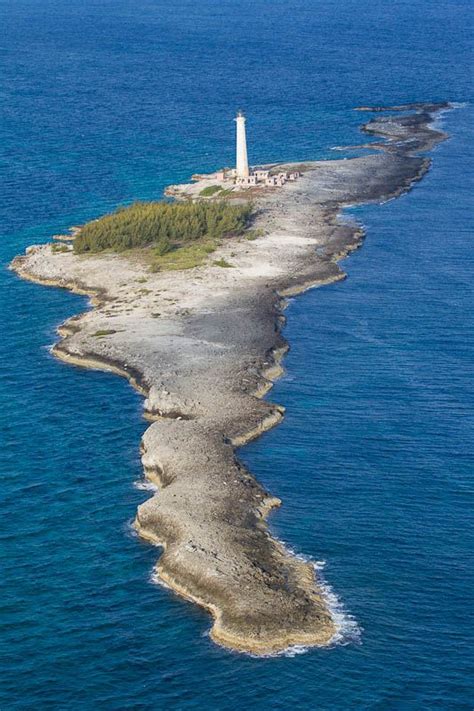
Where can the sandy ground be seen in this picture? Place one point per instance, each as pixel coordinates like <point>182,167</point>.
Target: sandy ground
<point>203,345</point>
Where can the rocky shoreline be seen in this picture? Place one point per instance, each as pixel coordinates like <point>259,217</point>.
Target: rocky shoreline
<point>203,346</point>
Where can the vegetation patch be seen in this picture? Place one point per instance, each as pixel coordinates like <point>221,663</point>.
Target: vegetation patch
<point>210,190</point>
<point>165,227</point>
<point>222,263</point>
<point>254,234</point>
<point>104,332</point>
<point>57,248</point>
<point>185,257</point>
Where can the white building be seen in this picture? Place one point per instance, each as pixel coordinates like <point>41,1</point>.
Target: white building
<point>242,163</point>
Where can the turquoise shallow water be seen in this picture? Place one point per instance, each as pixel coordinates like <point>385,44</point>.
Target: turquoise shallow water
<point>109,102</point>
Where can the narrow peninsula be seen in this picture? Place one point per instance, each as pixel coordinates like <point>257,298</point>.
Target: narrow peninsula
<point>189,307</point>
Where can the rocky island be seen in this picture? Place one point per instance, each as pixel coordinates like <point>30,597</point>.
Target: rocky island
<point>203,344</point>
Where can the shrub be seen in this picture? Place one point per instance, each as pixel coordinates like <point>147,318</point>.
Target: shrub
<point>163,245</point>
<point>58,248</point>
<point>253,234</point>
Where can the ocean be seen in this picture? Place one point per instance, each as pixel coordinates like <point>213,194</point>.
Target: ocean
<point>108,102</point>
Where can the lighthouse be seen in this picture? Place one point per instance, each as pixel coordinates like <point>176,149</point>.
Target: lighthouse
<point>242,164</point>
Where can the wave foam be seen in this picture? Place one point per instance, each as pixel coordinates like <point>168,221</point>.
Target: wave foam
<point>438,121</point>
<point>145,485</point>
<point>347,631</point>
<point>156,580</point>
<point>347,628</point>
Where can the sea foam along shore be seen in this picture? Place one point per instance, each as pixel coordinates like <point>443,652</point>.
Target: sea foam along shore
<point>203,346</point>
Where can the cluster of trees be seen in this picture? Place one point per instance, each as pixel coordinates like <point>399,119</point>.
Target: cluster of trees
<point>162,225</point>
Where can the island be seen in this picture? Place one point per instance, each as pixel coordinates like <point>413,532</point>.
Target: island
<point>192,314</point>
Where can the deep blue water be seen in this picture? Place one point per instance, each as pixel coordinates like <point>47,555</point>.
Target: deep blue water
<point>110,101</point>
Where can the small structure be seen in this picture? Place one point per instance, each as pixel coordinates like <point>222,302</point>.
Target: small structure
<point>279,179</point>
<point>274,181</point>
<point>246,181</point>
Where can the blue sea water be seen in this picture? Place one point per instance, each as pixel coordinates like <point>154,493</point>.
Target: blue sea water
<point>109,101</point>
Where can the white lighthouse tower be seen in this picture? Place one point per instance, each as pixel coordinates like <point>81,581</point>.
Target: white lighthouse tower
<point>242,164</point>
